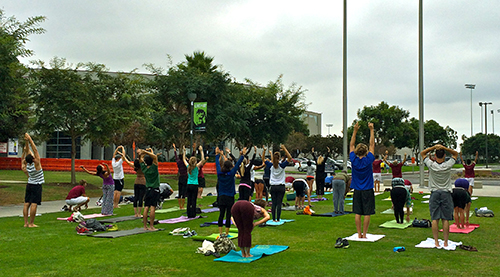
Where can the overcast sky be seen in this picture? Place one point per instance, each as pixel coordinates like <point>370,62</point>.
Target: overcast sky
<point>302,40</point>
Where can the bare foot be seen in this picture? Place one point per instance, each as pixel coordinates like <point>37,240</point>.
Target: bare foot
<point>25,225</point>
<point>32,225</point>
<point>152,229</point>
<point>146,228</point>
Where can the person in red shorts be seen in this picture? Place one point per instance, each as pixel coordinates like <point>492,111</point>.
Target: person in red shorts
<point>377,173</point>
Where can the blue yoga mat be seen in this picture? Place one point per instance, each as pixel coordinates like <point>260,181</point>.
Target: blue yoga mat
<point>281,222</point>
<point>258,252</point>
<point>332,214</point>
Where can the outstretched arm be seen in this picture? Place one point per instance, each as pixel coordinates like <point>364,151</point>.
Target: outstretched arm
<point>404,159</point>
<point>152,155</point>
<point>88,171</point>
<point>202,162</point>
<point>427,150</point>
<point>352,143</point>
<point>461,159</point>
<point>372,139</point>
<point>184,156</point>
<point>475,160</point>
<point>288,156</point>
<point>127,161</point>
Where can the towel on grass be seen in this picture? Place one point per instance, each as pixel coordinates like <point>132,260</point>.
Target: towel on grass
<point>86,216</point>
<point>332,214</point>
<point>281,222</point>
<point>123,233</point>
<point>211,210</point>
<point>391,211</point>
<point>369,237</point>
<point>455,229</point>
<point>258,252</point>
<point>429,243</point>
<point>392,224</point>
<point>164,211</point>
<point>425,201</point>
<point>181,218</point>
<point>428,196</point>
<point>213,237</point>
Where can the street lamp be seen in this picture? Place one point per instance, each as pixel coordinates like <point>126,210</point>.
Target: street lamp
<point>486,126</point>
<point>471,87</point>
<point>329,125</point>
<point>191,97</point>
<point>493,121</point>
<point>481,113</point>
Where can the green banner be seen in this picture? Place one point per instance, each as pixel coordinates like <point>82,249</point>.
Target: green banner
<point>200,116</point>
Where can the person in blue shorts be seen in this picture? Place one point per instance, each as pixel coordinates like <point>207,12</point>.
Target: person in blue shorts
<point>363,203</point>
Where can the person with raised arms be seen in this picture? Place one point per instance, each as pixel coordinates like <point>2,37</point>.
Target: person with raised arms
<point>31,165</point>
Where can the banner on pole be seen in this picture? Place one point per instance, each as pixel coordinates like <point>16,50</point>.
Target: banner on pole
<point>200,116</point>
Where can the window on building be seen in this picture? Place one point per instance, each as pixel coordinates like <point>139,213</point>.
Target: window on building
<point>59,146</point>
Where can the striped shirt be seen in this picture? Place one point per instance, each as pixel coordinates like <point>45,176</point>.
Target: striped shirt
<point>35,176</point>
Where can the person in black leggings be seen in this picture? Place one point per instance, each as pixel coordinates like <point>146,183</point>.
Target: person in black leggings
<point>400,196</point>
<point>226,190</point>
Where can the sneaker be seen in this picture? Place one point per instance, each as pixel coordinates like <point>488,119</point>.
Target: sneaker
<point>345,243</point>
<point>338,243</point>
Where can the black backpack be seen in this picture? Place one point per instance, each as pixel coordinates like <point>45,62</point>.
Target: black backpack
<point>421,223</point>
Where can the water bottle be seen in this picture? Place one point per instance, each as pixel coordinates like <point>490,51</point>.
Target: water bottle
<point>399,249</point>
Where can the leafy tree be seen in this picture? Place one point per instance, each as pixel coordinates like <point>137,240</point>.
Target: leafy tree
<point>90,104</point>
<point>478,143</point>
<point>433,134</point>
<point>390,125</point>
<point>14,104</point>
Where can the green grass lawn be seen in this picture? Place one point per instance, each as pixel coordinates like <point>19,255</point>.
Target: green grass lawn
<point>54,249</point>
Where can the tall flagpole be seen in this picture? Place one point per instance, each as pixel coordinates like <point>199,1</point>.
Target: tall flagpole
<point>344,84</point>
<point>421,89</point>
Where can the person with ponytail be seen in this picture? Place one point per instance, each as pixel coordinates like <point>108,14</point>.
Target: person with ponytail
<point>193,167</point>
<point>277,181</point>
<point>139,186</point>
<point>108,187</point>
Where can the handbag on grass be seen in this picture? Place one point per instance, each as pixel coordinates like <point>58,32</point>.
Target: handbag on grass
<point>421,223</point>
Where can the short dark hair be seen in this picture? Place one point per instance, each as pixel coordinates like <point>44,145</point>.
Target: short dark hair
<point>29,158</point>
<point>148,160</point>
<point>227,166</point>
<point>440,153</point>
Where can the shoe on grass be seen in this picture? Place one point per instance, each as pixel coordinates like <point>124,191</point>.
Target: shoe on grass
<point>345,243</point>
<point>338,243</point>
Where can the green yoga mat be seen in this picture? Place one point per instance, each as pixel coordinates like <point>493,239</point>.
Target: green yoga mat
<point>213,237</point>
<point>394,225</point>
<point>258,252</point>
<point>164,211</point>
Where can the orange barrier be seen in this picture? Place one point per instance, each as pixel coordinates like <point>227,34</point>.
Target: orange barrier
<point>51,164</point>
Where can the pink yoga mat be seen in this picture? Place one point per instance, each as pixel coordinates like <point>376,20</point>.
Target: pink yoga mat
<point>182,218</point>
<point>454,229</point>
<point>86,216</point>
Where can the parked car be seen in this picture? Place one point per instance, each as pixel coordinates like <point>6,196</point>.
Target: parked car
<point>299,166</point>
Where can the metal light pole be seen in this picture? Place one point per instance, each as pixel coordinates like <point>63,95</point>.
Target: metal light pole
<point>329,125</point>
<point>481,105</point>
<point>471,87</point>
<point>191,97</point>
<point>344,86</point>
<point>486,126</point>
<point>421,88</point>
<point>493,121</point>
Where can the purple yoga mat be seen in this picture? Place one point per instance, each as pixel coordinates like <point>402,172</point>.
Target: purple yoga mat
<point>317,200</point>
<point>182,218</point>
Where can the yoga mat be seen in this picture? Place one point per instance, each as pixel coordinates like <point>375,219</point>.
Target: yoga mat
<point>211,210</point>
<point>214,236</point>
<point>86,216</point>
<point>179,219</point>
<point>123,233</point>
<point>164,211</point>
<point>206,224</point>
<point>348,199</point>
<point>474,198</point>
<point>290,208</point>
<point>391,211</point>
<point>425,201</point>
<point>369,237</point>
<point>392,224</point>
<point>428,196</point>
<point>429,243</point>
<point>21,215</point>
<point>317,200</point>
<point>119,219</point>
<point>258,252</point>
<point>454,229</point>
<point>332,214</point>
<point>348,204</point>
<point>281,222</point>
<point>387,199</point>
<point>377,193</point>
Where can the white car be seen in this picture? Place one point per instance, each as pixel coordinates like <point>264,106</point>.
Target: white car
<point>298,166</point>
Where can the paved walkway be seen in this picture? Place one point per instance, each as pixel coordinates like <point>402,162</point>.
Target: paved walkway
<point>55,206</point>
